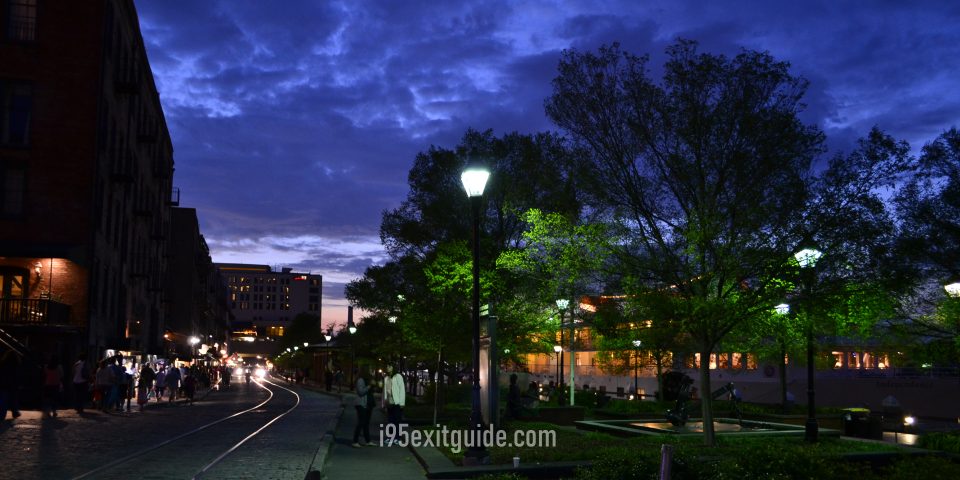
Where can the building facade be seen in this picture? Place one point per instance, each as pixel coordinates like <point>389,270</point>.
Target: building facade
<point>195,294</point>
<point>86,171</point>
<point>264,302</point>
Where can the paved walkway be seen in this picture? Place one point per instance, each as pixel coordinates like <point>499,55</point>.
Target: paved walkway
<point>366,463</point>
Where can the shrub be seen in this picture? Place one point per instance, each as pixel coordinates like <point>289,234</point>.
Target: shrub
<point>943,441</point>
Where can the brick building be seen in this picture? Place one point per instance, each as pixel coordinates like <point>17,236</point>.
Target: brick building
<point>86,167</point>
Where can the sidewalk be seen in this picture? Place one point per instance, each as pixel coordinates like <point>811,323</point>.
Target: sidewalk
<point>366,463</point>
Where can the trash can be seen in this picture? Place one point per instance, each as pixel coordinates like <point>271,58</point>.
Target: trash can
<point>855,422</point>
<point>860,423</point>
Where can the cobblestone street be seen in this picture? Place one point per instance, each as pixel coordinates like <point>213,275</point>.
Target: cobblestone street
<point>72,444</point>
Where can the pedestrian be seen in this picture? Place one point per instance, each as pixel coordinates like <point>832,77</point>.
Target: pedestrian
<point>172,382</point>
<point>81,382</point>
<point>161,382</point>
<point>145,385</point>
<point>52,386</point>
<point>189,386</point>
<point>395,391</point>
<point>364,406</point>
<point>120,383</point>
<point>9,383</point>
<point>328,375</point>
<point>106,378</point>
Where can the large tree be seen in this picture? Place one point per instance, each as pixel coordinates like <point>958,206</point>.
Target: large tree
<point>705,170</point>
<point>929,211</point>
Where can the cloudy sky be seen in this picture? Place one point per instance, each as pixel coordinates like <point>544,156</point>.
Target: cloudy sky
<point>294,123</point>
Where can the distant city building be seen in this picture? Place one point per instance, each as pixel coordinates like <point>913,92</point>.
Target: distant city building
<point>264,301</point>
<point>196,295</point>
<point>86,171</point>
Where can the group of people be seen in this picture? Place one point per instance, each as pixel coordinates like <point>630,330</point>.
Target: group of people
<point>393,399</point>
<point>113,386</point>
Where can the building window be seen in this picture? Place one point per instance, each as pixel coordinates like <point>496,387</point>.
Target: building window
<point>22,20</point>
<point>12,189</point>
<point>16,101</point>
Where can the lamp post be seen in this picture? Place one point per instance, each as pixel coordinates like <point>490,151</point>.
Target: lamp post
<point>474,180</point>
<point>558,349</point>
<point>636,367</point>
<point>807,258</point>
<point>194,340</point>
<point>562,304</point>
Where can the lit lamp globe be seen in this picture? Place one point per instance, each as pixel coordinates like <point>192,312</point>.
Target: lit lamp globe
<point>782,309</point>
<point>327,337</point>
<point>637,343</point>
<point>194,340</point>
<point>557,348</point>
<point>474,181</point>
<point>808,257</point>
<point>953,289</point>
<point>352,329</point>
<point>563,303</point>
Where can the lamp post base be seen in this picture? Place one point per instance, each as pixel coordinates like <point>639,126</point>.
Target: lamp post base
<point>811,430</point>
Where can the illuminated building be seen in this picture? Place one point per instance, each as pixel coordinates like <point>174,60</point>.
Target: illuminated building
<point>264,301</point>
<point>86,171</point>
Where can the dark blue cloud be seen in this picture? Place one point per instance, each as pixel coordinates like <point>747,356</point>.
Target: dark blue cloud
<point>294,123</point>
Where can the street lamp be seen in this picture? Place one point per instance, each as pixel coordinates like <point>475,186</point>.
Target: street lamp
<point>194,340</point>
<point>782,309</point>
<point>474,180</point>
<point>558,349</point>
<point>807,258</point>
<point>327,337</point>
<point>636,367</point>
<point>562,304</point>
<point>953,289</point>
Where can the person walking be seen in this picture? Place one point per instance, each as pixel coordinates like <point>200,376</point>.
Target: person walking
<point>9,383</point>
<point>172,382</point>
<point>145,384</point>
<point>161,382</point>
<point>365,404</point>
<point>52,386</point>
<point>104,384</point>
<point>190,386</point>
<point>81,382</point>
<point>395,392</point>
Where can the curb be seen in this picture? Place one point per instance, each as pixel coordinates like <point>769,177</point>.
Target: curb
<point>315,470</point>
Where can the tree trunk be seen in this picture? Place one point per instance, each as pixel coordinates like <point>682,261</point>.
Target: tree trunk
<point>706,400</point>
<point>783,376</point>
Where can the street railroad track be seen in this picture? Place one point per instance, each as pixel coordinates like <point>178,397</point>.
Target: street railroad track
<point>202,451</point>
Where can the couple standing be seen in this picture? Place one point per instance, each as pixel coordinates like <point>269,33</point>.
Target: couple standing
<point>394,398</point>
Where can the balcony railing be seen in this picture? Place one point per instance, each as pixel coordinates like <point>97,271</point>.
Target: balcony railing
<point>18,311</point>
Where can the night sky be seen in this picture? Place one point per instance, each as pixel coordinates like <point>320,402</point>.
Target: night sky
<point>294,123</point>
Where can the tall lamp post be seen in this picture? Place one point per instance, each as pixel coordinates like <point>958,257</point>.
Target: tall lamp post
<point>474,180</point>
<point>636,368</point>
<point>558,349</point>
<point>807,258</point>
<point>562,304</point>
<point>194,340</point>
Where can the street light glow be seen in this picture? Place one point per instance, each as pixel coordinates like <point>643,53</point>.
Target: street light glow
<point>637,343</point>
<point>352,329</point>
<point>953,289</point>
<point>557,348</point>
<point>327,337</point>
<point>808,257</point>
<point>194,340</point>
<point>474,180</point>
<point>562,303</point>
<point>782,309</point>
